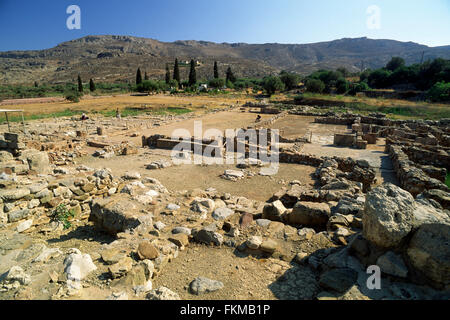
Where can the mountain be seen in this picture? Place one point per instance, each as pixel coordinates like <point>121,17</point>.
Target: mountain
<point>116,58</point>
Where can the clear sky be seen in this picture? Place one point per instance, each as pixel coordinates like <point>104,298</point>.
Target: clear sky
<point>40,24</point>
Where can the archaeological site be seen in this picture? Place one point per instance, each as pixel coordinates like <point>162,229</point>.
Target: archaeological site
<point>100,209</point>
<point>224,159</point>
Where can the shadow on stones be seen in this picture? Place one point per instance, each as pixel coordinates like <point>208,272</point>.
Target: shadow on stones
<point>87,232</point>
<point>297,283</point>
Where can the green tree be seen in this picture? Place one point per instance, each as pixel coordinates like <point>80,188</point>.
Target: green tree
<point>315,86</point>
<point>358,87</point>
<point>73,95</point>
<point>217,83</point>
<point>167,74</point>
<point>272,85</point>
<point>379,79</point>
<point>146,76</point>
<point>230,76</point>
<point>173,84</point>
<point>290,80</point>
<point>405,75</point>
<point>149,86</point>
<point>440,92</point>
<point>345,73</point>
<point>80,84</point>
<point>192,74</point>
<point>138,76</point>
<point>91,85</point>
<point>342,86</point>
<point>176,72</point>
<point>395,63</point>
<point>326,76</point>
<point>364,76</point>
<point>216,70</point>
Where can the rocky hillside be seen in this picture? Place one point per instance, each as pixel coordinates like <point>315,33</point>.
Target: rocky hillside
<point>110,58</point>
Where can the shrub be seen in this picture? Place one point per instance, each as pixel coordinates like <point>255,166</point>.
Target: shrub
<point>327,77</point>
<point>62,214</point>
<point>272,85</point>
<point>216,83</point>
<point>358,87</point>
<point>173,84</point>
<point>315,86</point>
<point>364,76</point>
<point>342,86</point>
<point>149,86</point>
<point>379,79</point>
<point>395,63</point>
<point>404,75</point>
<point>73,96</point>
<point>230,85</point>
<point>440,92</point>
<point>343,71</point>
<point>290,80</point>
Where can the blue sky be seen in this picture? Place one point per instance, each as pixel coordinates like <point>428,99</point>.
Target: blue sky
<point>39,24</point>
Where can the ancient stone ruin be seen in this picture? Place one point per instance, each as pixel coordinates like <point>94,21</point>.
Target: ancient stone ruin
<point>82,214</point>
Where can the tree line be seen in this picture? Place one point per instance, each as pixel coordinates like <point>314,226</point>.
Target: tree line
<point>433,77</point>
<point>173,80</point>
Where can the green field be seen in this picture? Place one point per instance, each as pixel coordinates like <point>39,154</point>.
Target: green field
<point>127,112</point>
<point>394,109</point>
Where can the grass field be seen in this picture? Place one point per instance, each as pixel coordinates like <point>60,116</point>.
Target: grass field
<point>180,103</point>
<point>127,112</point>
<point>395,109</point>
<point>128,106</point>
<point>447,181</point>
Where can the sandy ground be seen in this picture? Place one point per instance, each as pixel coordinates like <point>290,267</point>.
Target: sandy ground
<point>292,126</point>
<point>91,104</point>
<point>221,121</point>
<point>188,177</point>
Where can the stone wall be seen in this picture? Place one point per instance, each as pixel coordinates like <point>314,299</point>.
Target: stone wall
<point>412,178</point>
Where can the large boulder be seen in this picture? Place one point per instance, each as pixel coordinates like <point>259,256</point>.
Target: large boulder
<point>222,213</point>
<point>426,213</point>
<point>203,285</point>
<point>392,264</point>
<point>429,252</point>
<point>37,160</point>
<point>208,235</point>
<point>115,214</point>
<point>388,215</point>
<point>440,196</point>
<point>339,280</point>
<point>13,194</point>
<point>77,266</point>
<point>274,211</point>
<point>202,205</point>
<point>309,214</point>
<point>163,293</point>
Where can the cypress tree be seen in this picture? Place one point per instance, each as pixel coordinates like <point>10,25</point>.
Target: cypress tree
<point>80,84</point>
<point>167,74</point>
<point>146,76</point>
<point>176,72</point>
<point>91,85</point>
<point>138,76</point>
<point>216,70</point>
<point>192,74</point>
<point>230,75</point>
